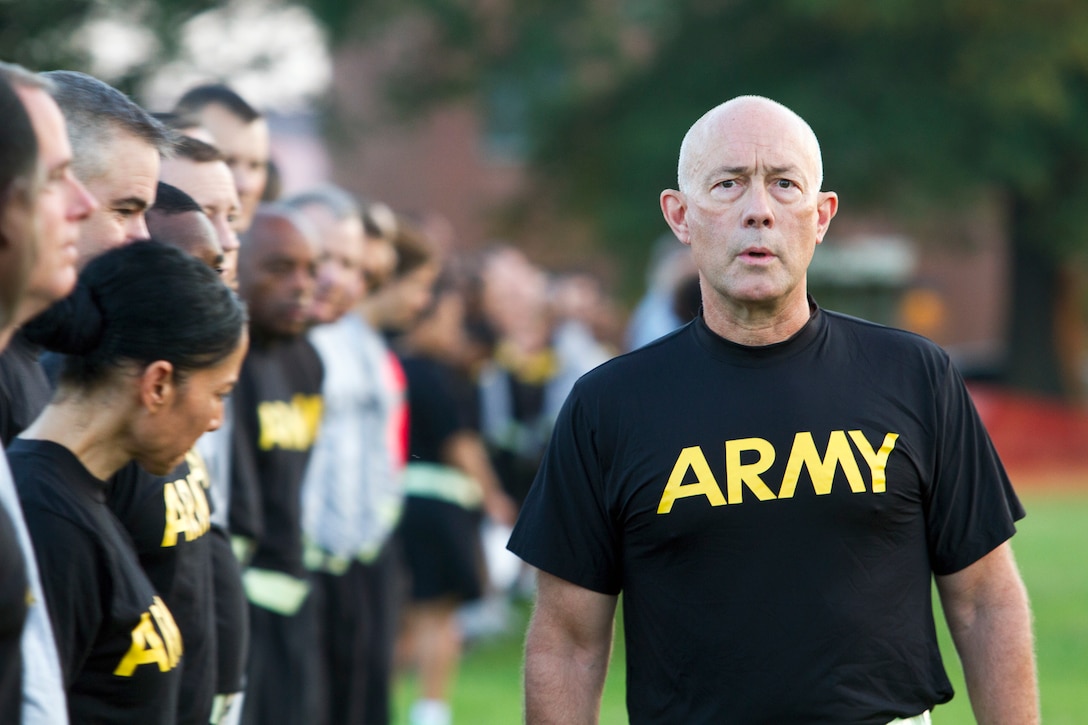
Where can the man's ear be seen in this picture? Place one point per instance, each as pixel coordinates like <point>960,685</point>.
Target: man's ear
<point>826,207</point>
<point>157,385</point>
<point>674,206</point>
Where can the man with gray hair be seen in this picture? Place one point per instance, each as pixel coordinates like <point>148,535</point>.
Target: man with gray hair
<point>41,205</point>
<point>118,147</point>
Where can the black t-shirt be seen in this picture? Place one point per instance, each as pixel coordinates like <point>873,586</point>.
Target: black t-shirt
<point>168,518</point>
<point>772,516</point>
<point>277,409</point>
<point>13,610</point>
<point>438,406</point>
<point>119,646</point>
<point>24,387</point>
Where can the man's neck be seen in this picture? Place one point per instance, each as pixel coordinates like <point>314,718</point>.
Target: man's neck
<point>757,325</point>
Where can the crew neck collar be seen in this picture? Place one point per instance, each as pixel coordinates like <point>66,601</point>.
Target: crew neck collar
<point>736,353</point>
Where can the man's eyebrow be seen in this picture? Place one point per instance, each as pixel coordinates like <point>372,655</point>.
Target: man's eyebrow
<point>748,170</point>
<point>132,202</point>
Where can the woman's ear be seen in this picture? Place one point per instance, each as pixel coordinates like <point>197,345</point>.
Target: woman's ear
<point>157,385</point>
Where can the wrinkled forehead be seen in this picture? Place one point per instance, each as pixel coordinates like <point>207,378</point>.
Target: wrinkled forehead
<point>745,132</point>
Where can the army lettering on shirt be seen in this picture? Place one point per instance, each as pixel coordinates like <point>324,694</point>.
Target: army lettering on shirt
<point>156,640</point>
<point>169,520</point>
<point>289,425</point>
<point>185,500</point>
<point>748,459</point>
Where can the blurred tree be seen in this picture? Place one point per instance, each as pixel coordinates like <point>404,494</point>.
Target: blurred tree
<point>919,105</point>
<point>51,34</point>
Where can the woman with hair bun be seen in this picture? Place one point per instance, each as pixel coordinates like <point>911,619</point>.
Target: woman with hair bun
<point>141,382</point>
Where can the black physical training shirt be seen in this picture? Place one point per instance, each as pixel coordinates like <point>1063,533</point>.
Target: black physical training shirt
<point>277,408</point>
<point>773,517</point>
<point>437,407</point>
<point>168,518</point>
<point>120,649</point>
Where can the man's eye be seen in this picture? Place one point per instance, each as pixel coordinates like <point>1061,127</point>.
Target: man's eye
<point>728,183</point>
<point>785,184</point>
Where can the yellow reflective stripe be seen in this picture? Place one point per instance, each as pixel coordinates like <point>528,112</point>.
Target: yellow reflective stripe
<point>315,558</point>
<point>431,480</point>
<point>275,591</point>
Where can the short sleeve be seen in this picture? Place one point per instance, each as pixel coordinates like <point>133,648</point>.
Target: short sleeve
<point>972,507</point>
<point>565,526</point>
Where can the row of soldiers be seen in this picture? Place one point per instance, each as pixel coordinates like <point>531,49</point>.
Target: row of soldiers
<point>277,548</point>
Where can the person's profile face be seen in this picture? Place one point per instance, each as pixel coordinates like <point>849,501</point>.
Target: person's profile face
<point>210,184</point>
<point>246,148</point>
<point>190,231</point>
<point>411,294</point>
<point>277,277</point>
<point>339,282</point>
<point>197,406</point>
<point>59,205</point>
<point>125,189</point>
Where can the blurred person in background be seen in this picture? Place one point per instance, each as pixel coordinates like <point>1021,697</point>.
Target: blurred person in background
<point>580,311</point>
<point>41,206</point>
<point>277,412</point>
<point>240,133</point>
<point>198,169</point>
<point>350,457</point>
<point>448,481</point>
<point>136,386</point>
<point>654,315</point>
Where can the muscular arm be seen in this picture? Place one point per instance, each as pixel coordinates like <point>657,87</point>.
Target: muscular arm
<point>567,649</point>
<point>987,610</point>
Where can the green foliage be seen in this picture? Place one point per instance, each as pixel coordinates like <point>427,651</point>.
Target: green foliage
<point>922,102</point>
<point>39,33</point>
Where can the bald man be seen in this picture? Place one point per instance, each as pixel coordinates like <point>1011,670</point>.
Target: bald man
<point>775,510</point>
<point>277,409</point>
<point>178,220</point>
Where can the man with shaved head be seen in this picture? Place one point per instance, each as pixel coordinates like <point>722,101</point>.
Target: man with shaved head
<point>277,408</point>
<point>178,220</point>
<point>772,487</point>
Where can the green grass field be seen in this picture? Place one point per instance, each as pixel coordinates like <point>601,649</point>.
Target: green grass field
<point>1051,547</point>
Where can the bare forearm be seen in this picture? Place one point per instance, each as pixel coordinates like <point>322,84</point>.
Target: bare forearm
<point>563,683</point>
<point>990,622</point>
<point>999,665</point>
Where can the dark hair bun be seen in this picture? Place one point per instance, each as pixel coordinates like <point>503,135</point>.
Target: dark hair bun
<point>72,326</point>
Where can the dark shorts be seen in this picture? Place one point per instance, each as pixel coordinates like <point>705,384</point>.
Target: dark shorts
<point>442,551</point>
